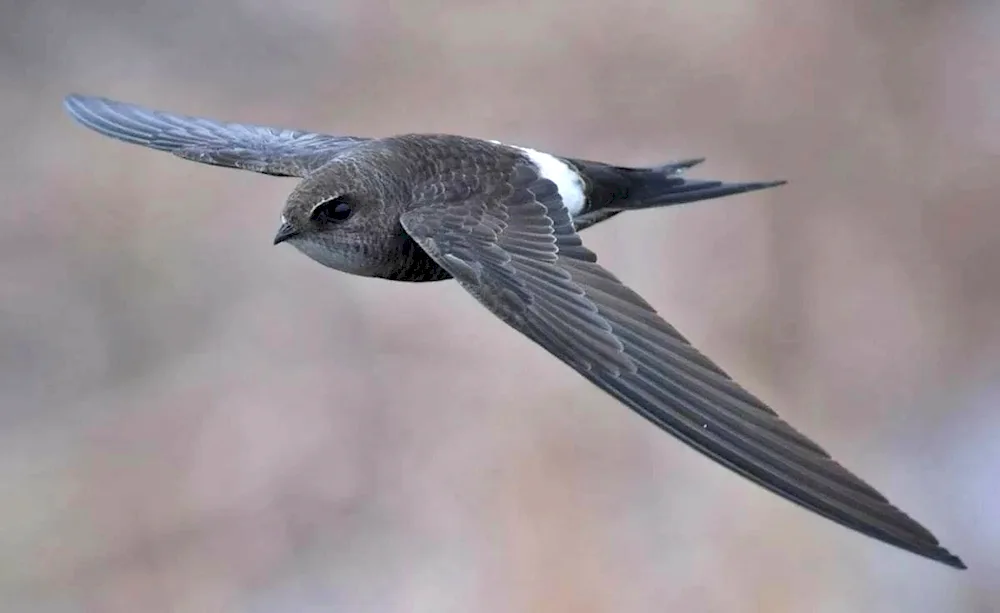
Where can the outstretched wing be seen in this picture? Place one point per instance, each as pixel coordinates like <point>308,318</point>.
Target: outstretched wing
<point>514,248</point>
<point>263,149</point>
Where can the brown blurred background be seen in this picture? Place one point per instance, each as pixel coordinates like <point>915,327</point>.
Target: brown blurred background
<point>194,421</point>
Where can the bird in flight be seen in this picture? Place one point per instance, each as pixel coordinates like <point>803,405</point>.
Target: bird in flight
<point>504,222</point>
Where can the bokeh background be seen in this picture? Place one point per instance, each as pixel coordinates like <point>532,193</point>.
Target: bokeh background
<point>192,420</point>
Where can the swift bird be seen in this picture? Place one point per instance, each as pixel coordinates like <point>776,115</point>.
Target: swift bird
<point>504,222</point>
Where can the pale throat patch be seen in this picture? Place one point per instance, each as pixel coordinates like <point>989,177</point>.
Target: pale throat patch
<point>567,180</point>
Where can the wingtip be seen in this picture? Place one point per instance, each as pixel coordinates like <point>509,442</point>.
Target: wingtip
<point>81,98</point>
<point>768,184</point>
<point>69,100</point>
<point>74,104</point>
<point>950,559</point>
<point>74,99</point>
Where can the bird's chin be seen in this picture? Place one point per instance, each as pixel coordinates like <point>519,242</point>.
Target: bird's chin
<point>344,260</point>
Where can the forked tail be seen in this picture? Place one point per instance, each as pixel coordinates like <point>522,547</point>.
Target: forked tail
<point>666,185</point>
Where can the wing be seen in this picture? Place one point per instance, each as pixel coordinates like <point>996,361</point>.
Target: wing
<point>515,250</point>
<point>272,151</point>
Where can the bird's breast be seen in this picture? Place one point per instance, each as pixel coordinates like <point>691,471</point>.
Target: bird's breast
<point>412,264</point>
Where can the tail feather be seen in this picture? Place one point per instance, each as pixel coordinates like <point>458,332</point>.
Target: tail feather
<point>678,190</point>
<point>615,189</point>
<point>676,168</point>
<point>664,185</point>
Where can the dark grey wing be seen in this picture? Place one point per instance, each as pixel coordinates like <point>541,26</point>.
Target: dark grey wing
<point>516,251</point>
<point>263,149</point>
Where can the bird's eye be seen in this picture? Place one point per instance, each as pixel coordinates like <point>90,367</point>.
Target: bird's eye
<point>334,210</point>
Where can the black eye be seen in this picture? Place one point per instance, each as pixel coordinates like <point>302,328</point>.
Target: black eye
<point>333,210</point>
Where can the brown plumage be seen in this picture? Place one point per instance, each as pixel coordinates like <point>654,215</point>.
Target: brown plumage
<point>504,222</point>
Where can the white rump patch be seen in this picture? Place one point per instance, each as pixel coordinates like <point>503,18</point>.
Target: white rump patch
<point>568,181</point>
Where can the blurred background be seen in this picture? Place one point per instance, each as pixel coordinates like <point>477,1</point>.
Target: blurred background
<point>192,420</point>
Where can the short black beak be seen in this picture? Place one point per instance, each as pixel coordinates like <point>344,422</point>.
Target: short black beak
<point>285,232</point>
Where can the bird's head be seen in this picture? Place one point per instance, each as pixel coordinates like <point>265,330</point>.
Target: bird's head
<point>339,224</point>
